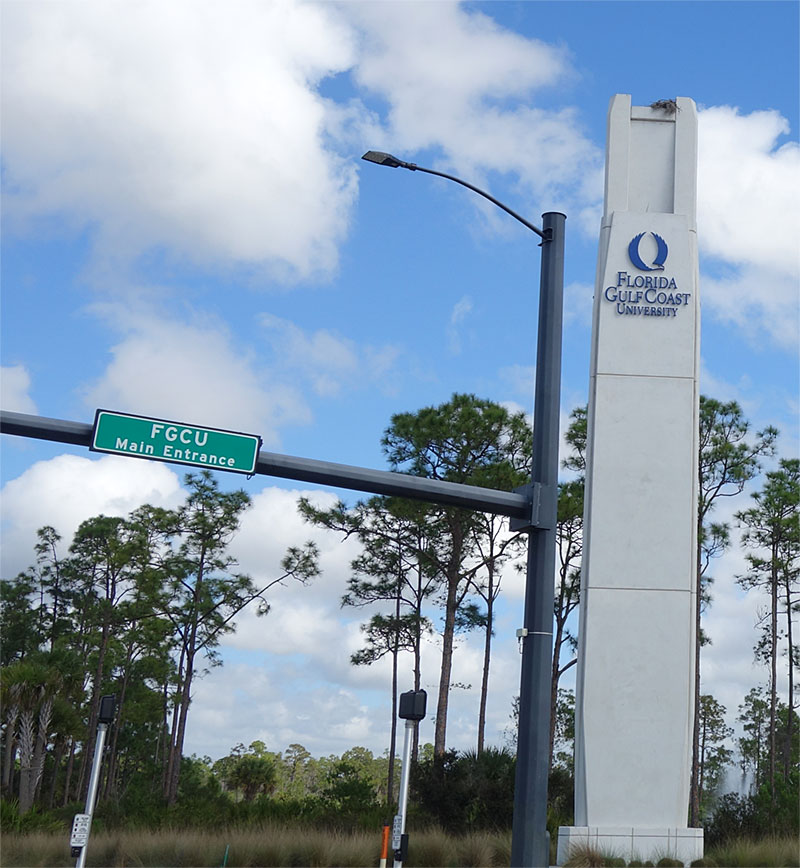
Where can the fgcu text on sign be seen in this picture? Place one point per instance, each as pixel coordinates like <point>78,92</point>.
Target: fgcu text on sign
<point>162,440</point>
<point>646,294</point>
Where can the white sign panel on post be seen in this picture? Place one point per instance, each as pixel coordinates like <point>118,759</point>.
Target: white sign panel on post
<point>80,830</point>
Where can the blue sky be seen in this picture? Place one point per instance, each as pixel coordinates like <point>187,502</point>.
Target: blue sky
<point>188,232</point>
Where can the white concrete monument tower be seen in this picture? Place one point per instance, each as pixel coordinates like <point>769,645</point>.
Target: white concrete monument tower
<point>635,676</point>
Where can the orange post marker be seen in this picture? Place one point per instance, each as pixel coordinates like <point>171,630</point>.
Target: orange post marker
<point>385,844</point>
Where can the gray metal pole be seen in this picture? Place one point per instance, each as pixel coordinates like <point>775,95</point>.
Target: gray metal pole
<point>405,774</point>
<point>529,840</point>
<point>94,780</point>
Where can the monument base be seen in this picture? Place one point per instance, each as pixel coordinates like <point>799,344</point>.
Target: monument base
<point>642,843</point>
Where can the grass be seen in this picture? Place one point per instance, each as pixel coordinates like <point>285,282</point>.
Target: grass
<point>280,846</point>
<point>589,857</point>
<point>766,852</point>
<point>741,853</point>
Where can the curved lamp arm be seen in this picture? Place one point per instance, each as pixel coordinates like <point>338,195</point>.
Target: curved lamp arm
<point>383,159</point>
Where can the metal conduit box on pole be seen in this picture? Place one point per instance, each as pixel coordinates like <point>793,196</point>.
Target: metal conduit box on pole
<point>636,646</point>
<point>412,705</point>
<point>108,705</point>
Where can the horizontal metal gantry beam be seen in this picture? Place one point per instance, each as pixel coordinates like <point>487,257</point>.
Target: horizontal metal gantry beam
<point>385,482</point>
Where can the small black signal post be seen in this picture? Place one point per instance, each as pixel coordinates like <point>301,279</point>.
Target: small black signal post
<point>82,823</point>
<point>412,709</point>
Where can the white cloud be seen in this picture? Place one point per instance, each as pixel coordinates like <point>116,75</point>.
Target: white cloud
<point>240,703</point>
<point>519,379</point>
<point>456,81</point>
<point>749,218</point>
<point>758,404</point>
<point>328,361</point>
<point>66,490</point>
<point>501,63</point>
<point>193,372</point>
<point>578,300</point>
<point>461,310</point>
<point>722,390</point>
<point>15,383</point>
<point>268,528</point>
<point>758,300</point>
<point>748,202</point>
<point>194,127</point>
<point>199,130</point>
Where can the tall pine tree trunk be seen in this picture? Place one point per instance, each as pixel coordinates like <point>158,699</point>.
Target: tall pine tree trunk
<point>554,679</point>
<point>68,775</point>
<point>172,732</point>
<point>701,762</point>
<point>447,666</point>
<point>393,737</point>
<point>186,693</point>
<point>111,767</point>
<point>487,652</point>
<point>694,789</point>
<point>175,765</point>
<point>87,754</point>
<point>773,687</point>
<point>58,754</point>
<point>162,750</point>
<point>417,654</point>
<point>787,757</point>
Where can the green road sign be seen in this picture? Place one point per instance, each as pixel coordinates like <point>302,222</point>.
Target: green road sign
<point>161,440</point>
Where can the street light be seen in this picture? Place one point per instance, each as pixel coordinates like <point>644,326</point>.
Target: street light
<point>383,159</point>
<point>530,840</point>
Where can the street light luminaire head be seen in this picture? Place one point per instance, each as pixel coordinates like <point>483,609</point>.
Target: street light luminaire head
<point>383,159</point>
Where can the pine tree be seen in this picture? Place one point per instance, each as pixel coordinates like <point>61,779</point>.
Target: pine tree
<point>206,593</point>
<point>466,440</point>
<point>714,755</point>
<point>729,457</point>
<point>772,538</point>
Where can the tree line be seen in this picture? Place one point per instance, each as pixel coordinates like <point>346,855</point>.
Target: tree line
<point>136,607</point>
<point>139,602</point>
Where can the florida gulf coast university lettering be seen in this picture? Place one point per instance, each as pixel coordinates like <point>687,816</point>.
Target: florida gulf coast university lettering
<point>646,295</point>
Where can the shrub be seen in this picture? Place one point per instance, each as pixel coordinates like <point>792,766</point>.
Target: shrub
<point>734,816</point>
<point>753,816</point>
<point>34,820</point>
<point>466,791</point>
<point>585,857</point>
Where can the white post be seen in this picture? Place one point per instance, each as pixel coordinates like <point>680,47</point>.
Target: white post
<point>399,828</point>
<point>635,675</point>
<point>91,796</point>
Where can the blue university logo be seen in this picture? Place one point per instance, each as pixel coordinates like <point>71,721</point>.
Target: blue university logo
<point>661,253</point>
